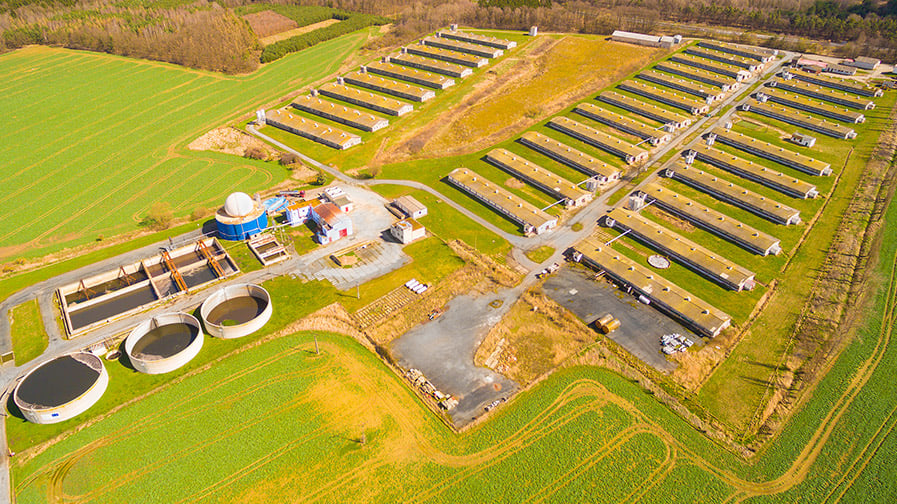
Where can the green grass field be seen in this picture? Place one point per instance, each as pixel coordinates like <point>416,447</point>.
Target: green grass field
<point>95,139</point>
<point>274,422</point>
<point>29,339</point>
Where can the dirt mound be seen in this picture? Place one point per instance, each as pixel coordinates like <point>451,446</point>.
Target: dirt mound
<point>229,141</point>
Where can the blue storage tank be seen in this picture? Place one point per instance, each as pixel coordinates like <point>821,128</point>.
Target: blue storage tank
<point>240,217</point>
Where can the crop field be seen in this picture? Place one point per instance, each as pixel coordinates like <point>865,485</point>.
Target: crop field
<point>274,422</point>
<point>98,138</point>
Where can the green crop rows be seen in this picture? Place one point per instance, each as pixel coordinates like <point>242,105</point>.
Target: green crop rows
<point>93,140</point>
<point>275,422</point>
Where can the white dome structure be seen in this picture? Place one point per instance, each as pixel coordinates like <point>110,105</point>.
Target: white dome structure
<point>238,204</point>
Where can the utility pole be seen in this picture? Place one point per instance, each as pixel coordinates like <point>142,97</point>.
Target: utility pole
<point>358,290</point>
<point>317,350</point>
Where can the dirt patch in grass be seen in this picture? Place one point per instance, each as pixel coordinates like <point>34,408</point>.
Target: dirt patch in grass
<point>533,339</point>
<point>229,141</point>
<point>672,220</point>
<point>266,23</point>
<point>540,80</point>
<point>515,183</point>
<point>480,274</point>
<point>277,37</point>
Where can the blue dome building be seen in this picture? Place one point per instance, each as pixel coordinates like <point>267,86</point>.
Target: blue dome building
<point>240,217</point>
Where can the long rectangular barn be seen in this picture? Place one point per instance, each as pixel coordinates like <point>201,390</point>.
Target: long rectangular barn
<point>761,55</point>
<point>643,109</point>
<point>667,297</point>
<point>726,84</point>
<point>793,117</point>
<point>815,107</point>
<point>670,98</point>
<point>532,219</point>
<point>378,103</point>
<point>767,150</point>
<point>749,64</point>
<point>848,85</point>
<point>739,74</point>
<point>420,77</point>
<point>821,93</point>
<point>656,136</point>
<point>431,65</point>
<point>688,253</point>
<point>718,223</point>
<point>628,152</point>
<point>482,51</point>
<point>456,57</point>
<point>571,157</point>
<point>692,88</point>
<point>476,38</point>
<point>344,115</point>
<point>542,178</point>
<point>390,87</point>
<point>306,128</point>
<point>733,194</point>
<point>762,175</point>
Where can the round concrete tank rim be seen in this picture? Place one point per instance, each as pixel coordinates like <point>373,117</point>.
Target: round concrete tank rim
<point>70,408</point>
<point>236,294</point>
<point>166,363</point>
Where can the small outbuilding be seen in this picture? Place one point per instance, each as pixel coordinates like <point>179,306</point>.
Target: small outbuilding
<point>410,206</point>
<point>407,230</point>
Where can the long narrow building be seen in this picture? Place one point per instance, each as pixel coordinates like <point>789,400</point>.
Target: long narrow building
<point>455,57</point>
<point>688,253</point>
<point>532,219</point>
<point>725,84</point>
<point>707,218</point>
<point>314,131</point>
<point>739,74</point>
<point>431,65</point>
<point>822,93</point>
<point>390,87</point>
<point>476,38</point>
<point>339,113</point>
<point>419,77</point>
<point>542,178</point>
<point>828,110</point>
<point>749,64</point>
<point>661,115</point>
<point>628,152</point>
<point>707,94</point>
<point>849,85</point>
<point>670,98</point>
<point>761,55</point>
<point>785,184</point>
<point>480,50</point>
<point>656,136</point>
<point>603,172</point>
<point>735,195</point>
<point>375,102</point>
<point>772,152</point>
<point>665,296</point>
<point>793,117</point>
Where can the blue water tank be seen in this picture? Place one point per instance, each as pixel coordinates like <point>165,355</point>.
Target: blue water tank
<point>230,228</point>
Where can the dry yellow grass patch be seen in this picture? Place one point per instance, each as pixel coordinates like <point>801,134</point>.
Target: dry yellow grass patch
<point>537,335</point>
<point>543,80</point>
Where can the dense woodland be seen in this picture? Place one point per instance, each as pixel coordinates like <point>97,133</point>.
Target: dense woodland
<point>212,34</point>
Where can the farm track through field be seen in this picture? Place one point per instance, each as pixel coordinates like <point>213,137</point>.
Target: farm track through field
<point>578,398</point>
<point>89,189</point>
<point>78,133</point>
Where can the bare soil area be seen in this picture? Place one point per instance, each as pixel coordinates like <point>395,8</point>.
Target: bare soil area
<point>229,140</point>
<point>268,22</point>
<point>277,37</point>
